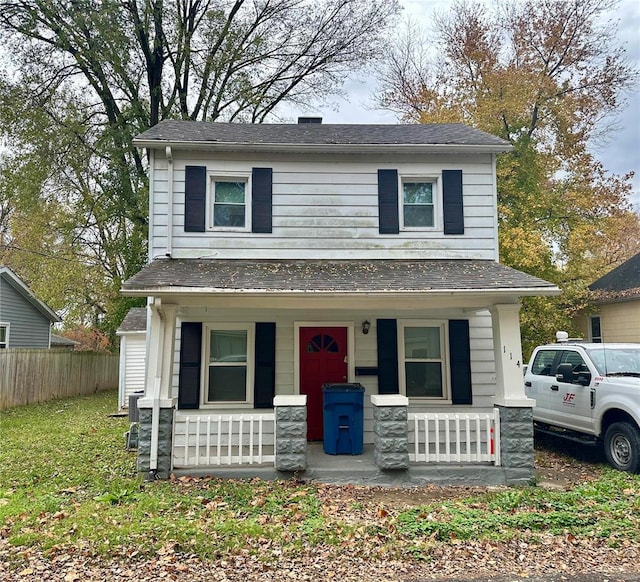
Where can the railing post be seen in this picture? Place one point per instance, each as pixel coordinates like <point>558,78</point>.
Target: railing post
<point>291,432</point>
<point>390,426</point>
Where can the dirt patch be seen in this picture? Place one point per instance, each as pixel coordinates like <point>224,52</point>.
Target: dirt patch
<point>565,463</point>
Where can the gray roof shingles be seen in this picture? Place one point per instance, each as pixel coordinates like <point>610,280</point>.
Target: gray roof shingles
<point>318,134</point>
<point>135,320</point>
<point>340,276</point>
<point>622,283</point>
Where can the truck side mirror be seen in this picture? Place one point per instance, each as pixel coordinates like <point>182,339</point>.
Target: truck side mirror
<point>584,378</point>
<point>564,373</point>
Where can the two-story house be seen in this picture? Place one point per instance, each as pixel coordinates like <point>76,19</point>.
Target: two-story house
<point>287,257</point>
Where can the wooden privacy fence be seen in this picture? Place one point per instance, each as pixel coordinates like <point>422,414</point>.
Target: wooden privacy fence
<point>28,376</point>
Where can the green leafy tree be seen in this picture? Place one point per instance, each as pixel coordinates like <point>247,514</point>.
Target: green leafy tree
<point>83,77</point>
<point>542,74</point>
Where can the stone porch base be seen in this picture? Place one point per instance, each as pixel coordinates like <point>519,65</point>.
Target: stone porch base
<point>361,470</point>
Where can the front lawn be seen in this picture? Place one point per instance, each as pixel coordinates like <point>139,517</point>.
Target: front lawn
<point>69,488</point>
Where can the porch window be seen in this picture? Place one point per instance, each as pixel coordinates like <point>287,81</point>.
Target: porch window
<point>423,354</point>
<point>230,352</point>
<point>229,203</point>
<point>418,203</point>
<point>4,335</point>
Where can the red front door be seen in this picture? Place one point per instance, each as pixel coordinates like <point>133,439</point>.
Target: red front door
<point>323,359</point>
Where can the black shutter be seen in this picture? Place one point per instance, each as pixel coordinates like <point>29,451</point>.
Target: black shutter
<point>387,336</point>
<point>190,362</point>
<point>460,361</point>
<point>264,386</point>
<point>261,195</point>
<point>195,198</point>
<point>389,221</point>
<point>453,209</point>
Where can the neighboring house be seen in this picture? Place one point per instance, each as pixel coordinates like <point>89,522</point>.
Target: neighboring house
<point>59,342</point>
<point>615,306</point>
<point>287,257</point>
<point>133,340</point>
<point>25,321</point>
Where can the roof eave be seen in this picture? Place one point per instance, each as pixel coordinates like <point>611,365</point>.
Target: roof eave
<point>184,291</point>
<point>12,279</point>
<point>322,148</point>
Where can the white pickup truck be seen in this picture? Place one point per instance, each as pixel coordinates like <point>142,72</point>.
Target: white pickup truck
<point>589,391</point>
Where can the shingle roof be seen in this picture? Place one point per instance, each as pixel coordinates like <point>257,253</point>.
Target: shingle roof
<point>623,281</point>
<point>58,340</point>
<point>318,134</point>
<point>21,287</point>
<point>135,320</point>
<point>322,276</point>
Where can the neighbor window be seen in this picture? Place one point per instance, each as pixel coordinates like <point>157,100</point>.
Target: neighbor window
<point>229,197</point>
<point>229,357</point>
<point>418,208</point>
<point>423,359</point>
<point>596,332</point>
<point>4,335</point>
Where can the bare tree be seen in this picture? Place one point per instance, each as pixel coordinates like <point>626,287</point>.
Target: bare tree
<point>82,77</point>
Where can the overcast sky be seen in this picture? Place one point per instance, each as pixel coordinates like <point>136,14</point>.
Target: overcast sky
<point>619,155</point>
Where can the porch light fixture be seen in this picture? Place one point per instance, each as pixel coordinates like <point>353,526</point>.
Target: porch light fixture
<point>365,326</point>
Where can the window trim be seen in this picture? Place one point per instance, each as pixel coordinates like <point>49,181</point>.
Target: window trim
<point>443,324</point>
<point>436,199</point>
<point>228,176</point>
<point>5,344</point>
<point>207,328</point>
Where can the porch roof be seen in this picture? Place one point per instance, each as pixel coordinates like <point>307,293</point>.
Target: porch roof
<point>381,276</point>
<point>134,321</point>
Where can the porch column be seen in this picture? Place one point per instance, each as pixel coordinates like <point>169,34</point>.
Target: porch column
<point>156,408</point>
<point>516,417</point>
<point>391,428</point>
<point>291,432</point>
<point>507,349</point>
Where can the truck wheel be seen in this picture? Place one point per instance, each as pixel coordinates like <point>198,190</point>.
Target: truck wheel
<point>622,447</point>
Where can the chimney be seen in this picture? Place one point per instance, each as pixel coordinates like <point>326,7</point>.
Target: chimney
<point>309,119</point>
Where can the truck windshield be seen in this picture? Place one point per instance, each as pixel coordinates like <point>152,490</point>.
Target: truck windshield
<point>620,361</point>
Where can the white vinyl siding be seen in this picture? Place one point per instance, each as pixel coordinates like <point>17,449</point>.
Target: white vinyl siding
<point>327,207</point>
<point>132,365</point>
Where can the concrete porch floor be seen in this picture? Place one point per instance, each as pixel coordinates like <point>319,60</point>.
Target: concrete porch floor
<point>362,470</point>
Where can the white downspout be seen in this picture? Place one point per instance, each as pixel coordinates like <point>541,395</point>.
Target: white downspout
<point>155,409</point>
<point>169,201</point>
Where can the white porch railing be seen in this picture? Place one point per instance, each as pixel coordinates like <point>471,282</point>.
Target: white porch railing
<point>201,440</point>
<point>455,438</point>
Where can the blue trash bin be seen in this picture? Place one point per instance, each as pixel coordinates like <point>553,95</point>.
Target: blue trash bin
<point>342,411</point>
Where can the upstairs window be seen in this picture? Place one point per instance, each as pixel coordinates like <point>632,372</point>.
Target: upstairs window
<point>229,204</point>
<point>418,203</point>
<point>4,335</point>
